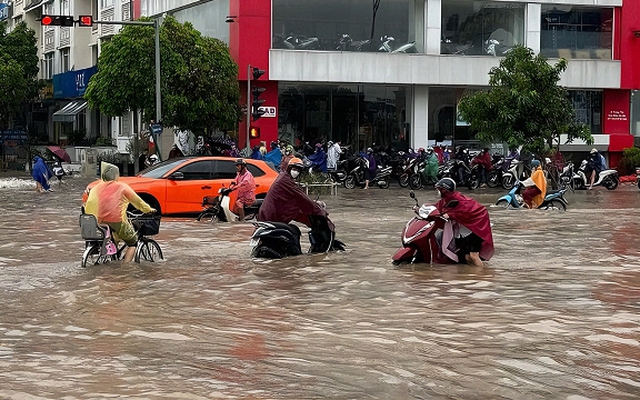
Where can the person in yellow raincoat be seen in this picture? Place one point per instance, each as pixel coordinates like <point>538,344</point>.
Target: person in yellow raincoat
<point>536,186</point>
<point>109,201</point>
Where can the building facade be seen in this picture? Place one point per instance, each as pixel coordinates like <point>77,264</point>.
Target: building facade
<point>363,72</point>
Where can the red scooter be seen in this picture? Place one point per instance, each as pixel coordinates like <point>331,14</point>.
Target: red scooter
<point>422,236</point>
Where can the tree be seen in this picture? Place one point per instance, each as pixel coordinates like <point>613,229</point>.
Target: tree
<point>524,105</point>
<point>199,80</point>
<point>18,71</point>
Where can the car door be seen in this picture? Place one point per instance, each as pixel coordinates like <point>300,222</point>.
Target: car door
<point>224,172</point>
<point>189,185</point>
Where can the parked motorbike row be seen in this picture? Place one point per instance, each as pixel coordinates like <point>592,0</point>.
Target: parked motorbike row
<point>386,43</point>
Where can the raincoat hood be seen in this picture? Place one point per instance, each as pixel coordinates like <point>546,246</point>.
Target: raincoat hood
<point>109,172</point>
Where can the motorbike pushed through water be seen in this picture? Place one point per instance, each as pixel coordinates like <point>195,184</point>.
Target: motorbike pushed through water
<point>275,240</point>
<point>553,200</point>
<point>607,178</point>
<point>218,208</point>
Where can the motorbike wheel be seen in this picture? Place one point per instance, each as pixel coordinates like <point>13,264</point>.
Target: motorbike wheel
<point>493,179</point>
<point>556,205</point>
<point>502,204</point>
<point>611,183</point>
<point>403,180</point>
<point>350,182</point>
<point>507,182</point>
<point>415,182</point>
<point>473,183</point>
<point>384,184</point>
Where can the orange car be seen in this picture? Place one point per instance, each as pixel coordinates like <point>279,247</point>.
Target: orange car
<point>177,186</point>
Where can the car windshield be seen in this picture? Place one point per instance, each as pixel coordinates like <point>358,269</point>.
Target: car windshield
<point>157,171</point>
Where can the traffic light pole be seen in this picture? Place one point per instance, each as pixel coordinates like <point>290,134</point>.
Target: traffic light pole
<point>248,106</point>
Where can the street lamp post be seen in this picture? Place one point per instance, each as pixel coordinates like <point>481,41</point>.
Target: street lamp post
<point>248,106</point>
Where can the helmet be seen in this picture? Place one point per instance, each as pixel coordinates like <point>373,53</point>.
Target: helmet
<point>153,157</point>
<point>535,163</point>
<point>240,161</point>
<point>296,162</point>
<point>594,150</point>
<point>447,184</point>
<point>429,148</point>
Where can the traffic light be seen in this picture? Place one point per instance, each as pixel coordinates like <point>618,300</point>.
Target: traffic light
<point>56,20</point>
<point>254,132</point>
<point>257,73</point>
<point>85,20</point>
<point>256,112</point>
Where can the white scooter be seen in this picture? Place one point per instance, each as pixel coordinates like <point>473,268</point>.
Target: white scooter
<point>607,178</point>
<point>217,208</point>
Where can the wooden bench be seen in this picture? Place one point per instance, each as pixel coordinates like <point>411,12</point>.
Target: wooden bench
<point>332,186</point>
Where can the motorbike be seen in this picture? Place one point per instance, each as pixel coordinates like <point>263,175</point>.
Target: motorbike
<point>516,172</point>
<point>297,42</point>
<point>417,180</point>
<point>356,176</point>
<point>275,240</point>
<point>340,173</point>
<point>388,46</point>
<point>469,173</point>
<point>346,43</point>
<point>422,236</point>
<point>553,200</point>
<point>607,178</point>
<point>566,178</point>
<point>217,208</point>
<point>409,168</point>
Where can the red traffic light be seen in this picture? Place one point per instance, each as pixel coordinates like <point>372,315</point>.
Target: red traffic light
<point>56,20</point>
<point>85,20</point>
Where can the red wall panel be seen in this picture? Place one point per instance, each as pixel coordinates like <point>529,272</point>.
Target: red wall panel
<point>628,44</point>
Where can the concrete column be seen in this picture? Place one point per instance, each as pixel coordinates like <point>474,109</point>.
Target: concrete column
<point>532,15</point>
<point>433,18</point>
<point>420,117</point>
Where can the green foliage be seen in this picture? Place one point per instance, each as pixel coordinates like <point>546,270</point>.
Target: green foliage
<point>103,141</point>
<point>76,137</point>
<point>18,70</point>
<point>630,160</point>
<point>524,104</point>
<point>199,84</point>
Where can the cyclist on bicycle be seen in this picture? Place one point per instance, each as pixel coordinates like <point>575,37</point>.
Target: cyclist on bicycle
<point>108,202</point>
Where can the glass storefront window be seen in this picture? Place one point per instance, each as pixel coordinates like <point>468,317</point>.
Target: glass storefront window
<point>481,27</point>
<point>352,114</point>
<point>588,107</point>
<point>345,25</point>
<point>576,32</point>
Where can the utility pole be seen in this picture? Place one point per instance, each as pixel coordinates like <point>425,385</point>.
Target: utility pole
<point>248,106</point>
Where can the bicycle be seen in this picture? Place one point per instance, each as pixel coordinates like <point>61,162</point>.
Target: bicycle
<point>101,244</point>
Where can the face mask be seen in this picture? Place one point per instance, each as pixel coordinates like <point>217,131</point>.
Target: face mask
<point>287,152</point>
<point>438,193</point>
<point>295,173</point>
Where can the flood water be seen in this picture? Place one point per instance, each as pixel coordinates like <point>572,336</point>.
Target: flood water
<point>554,315</point>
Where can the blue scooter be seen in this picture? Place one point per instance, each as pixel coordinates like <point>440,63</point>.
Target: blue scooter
<point>554,200</point>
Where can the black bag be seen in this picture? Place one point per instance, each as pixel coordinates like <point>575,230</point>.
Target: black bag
<point>147,225</point>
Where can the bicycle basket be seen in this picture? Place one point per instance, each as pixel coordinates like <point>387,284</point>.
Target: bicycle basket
<point>89,228</point>
<point>147,225</point>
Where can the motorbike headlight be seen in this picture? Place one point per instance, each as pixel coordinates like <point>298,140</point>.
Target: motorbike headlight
<point>425,211</point>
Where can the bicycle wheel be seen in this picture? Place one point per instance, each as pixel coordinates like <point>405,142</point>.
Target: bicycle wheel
<point>91,255</point>
<point>148,250</point>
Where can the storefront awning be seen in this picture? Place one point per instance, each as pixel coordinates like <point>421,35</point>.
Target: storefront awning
<point>69,112</point>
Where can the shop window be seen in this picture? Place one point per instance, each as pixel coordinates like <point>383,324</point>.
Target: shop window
<point>345,25</point>
<point>588,108</point>
<point>576,32</point>
<point>481,28</point>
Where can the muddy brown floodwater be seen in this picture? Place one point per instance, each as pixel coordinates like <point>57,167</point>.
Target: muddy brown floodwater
<point>554,315</point>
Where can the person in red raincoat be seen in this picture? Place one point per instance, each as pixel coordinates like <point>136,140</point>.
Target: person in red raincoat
<point>286,201</point>
<point>472,227</point>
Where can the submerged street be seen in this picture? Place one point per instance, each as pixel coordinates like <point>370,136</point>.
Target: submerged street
<point>554,315</point>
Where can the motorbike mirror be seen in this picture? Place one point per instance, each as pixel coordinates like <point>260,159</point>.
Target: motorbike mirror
<point>452,203</point>
<point>176,176</point>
